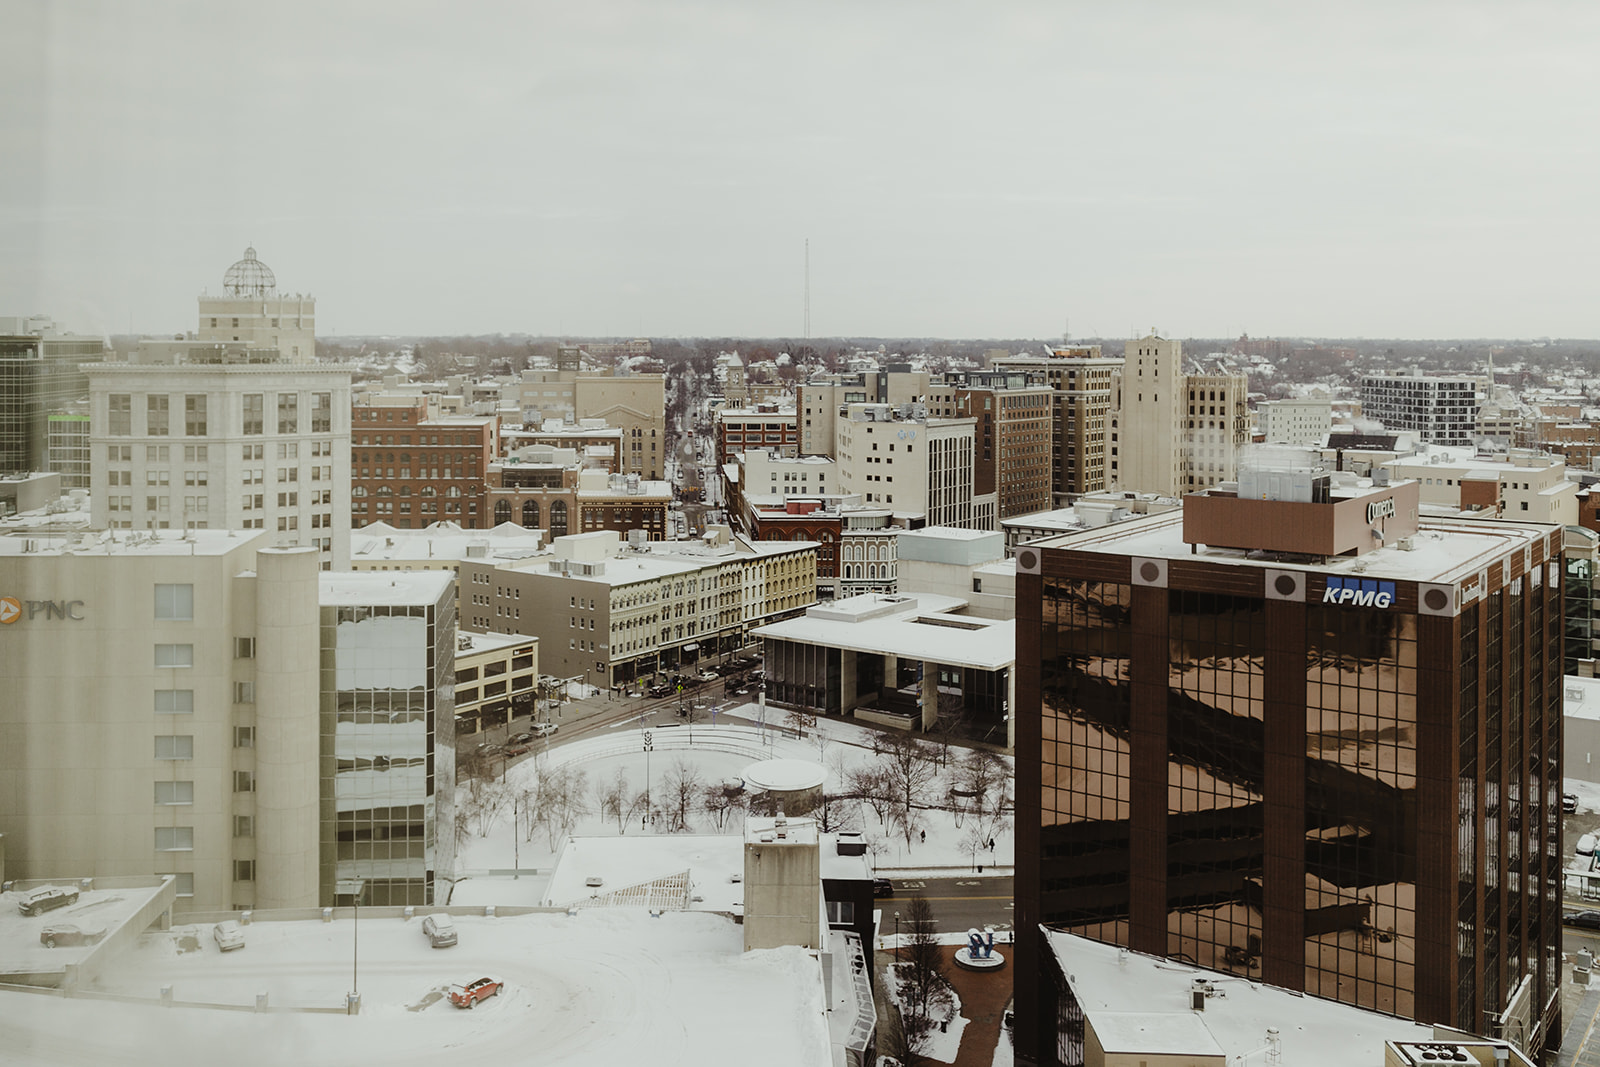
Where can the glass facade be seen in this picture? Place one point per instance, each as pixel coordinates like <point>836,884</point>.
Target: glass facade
<point>38,377</point>
<point>388,745</point>
<point>1222,716</point>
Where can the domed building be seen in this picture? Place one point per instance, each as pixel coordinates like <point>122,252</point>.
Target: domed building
<point>251,313</point>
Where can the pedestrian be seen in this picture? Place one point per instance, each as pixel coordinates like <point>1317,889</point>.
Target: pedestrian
<point>924,837</point>
<point>991,844</point>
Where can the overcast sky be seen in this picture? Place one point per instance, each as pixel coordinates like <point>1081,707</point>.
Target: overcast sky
<point>656,168</point>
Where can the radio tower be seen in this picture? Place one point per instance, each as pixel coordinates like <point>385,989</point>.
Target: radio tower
<point>808,289</point>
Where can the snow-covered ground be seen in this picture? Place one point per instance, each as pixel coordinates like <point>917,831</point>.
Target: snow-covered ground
<point>604,987</point>
<point>715,752</point>
<point>941,1044</point>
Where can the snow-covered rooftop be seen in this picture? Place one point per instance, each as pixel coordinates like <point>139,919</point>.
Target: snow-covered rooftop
<point>373,588</point>
<point>1443,550</point>
<point>133,543</point>
<point>920,626</point>
<point>1140,1003</point>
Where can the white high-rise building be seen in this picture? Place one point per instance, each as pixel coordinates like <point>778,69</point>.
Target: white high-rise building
<point>1303,421</point>
<point>1443,411</point>
<point>240,430</point>
<point>1146,406</point>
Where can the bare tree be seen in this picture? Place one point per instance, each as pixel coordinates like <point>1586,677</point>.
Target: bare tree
<point>872,785</point>
<point>721,803</point>
<point>558,802</point>
<point>800,720</point>
<point>908,772</point>
<point>680,787</point>
<point>922,981</point>
<point>950,725</point>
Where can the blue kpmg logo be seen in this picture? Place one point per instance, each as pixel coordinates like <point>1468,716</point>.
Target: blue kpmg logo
<point>1358,592</point>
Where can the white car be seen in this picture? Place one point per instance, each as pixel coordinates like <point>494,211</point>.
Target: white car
<point>439,929</point>
<point>544,729</point>
<point>229,935</point>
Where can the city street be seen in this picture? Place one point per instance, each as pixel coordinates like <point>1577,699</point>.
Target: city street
<point>960,902</point>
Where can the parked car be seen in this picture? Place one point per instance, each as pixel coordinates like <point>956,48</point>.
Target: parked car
<point>1587,920</point>
<point>545,729</point>
<point>67,934</point>
<point>1569,803</point>
<point>439,929</point>
<point>467,996</point>
<point>1586,845</point>
<point>517,750</point>
<point>882,887</point>
<point>229,935</point>
<point>707,676</point>
<point>522,738</point>
<point>659,691</point>
<point>47,898</point>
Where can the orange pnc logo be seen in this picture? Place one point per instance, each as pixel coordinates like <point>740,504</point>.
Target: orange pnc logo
<point>10,610</point>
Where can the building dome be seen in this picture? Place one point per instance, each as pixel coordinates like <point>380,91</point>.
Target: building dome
<point>249,277</point>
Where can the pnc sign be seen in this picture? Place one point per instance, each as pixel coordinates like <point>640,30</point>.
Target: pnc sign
<point>13,609</point>
<point>1358,592</point>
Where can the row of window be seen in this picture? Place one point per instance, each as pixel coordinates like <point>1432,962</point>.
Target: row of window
<point>159,422</point>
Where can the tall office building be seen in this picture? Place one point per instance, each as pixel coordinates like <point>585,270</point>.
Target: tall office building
<point>1443,411</point>
<point>40,375</point>
<point>1081,377</point>
<point>1012,434</point>
<point>1292,734</point>
<point>245,434</point>
<point>205,705</point>
<point>1216,428</point>
<point>1172,431</point>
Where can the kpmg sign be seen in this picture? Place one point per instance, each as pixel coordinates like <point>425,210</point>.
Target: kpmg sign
<point>1358,592</point>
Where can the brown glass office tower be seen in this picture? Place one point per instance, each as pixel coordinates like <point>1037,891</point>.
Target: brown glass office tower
<point>1290,733</point>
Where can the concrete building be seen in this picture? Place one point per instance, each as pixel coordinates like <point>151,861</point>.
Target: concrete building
<point>410,469</point>
<point>767,426</point>
<point>1147,420</point>
<point>40,375</point>
<point>1299,421</point>
<point>636,404</point>
<point>251,314</point>
<point>967,564</point>
<point>1443,411</point>
<point>68,448</point>
<point>549,488</point>
<point>239,727</point>
<point>161,713</point>
<point>1080,377</point>
<point>1306,738</point>
<point>497,678</point>
<point>898,661</point>
<point>224,446</point>
<point>611,612</point>
<point>783,883</point>
<point>1217,428</point>
<point>914,464</point>
<point>1525,486</point>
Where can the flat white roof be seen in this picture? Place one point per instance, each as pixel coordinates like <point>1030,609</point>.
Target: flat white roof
<point>361,588</point>
<point>1142,1003</point>
<point>923,630</point>
<point>468,642</point>
<point>1444,550</point>
<point>133,543</point>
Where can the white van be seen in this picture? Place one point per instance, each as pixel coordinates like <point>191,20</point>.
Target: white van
<point>441,932</point>
<point>1586,845</point>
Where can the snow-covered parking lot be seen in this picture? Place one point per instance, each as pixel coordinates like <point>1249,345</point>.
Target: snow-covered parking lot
<point>603,987</point>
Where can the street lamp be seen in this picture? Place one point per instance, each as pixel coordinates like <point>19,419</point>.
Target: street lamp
<point>353,888</point>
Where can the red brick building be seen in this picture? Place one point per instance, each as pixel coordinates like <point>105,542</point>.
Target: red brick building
<point>409,470</point>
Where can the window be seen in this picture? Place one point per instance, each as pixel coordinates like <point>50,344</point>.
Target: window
<point>244,782</point>
<point>254,412</point>
<point>244,737</point>
<point>244,870</point>
<point>119,408</point>
<point>288,413</point>
<point>244,692</point>
<point>841,912</point>
<point>184,883</point>
<point>174,792</point>
<point>174,746</point>
<point>174,701</point>
<point>194,415</point>
<point>322,413</point>
<point>244,826</point>
<point>155,415</point>
<point>244,648</point>
<point>174,603</point>
<point>174,839</point>
<point>174,655</point>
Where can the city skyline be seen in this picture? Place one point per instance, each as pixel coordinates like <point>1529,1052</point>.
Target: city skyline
<point>641,170</point>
